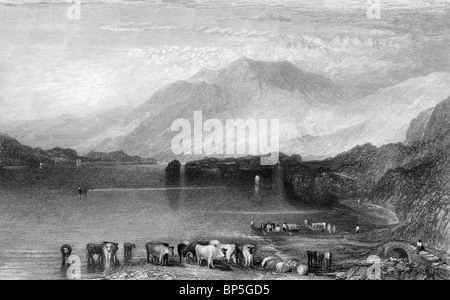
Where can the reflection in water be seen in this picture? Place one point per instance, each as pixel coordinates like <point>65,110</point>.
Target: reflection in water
<point>173,195</point>
<point>257,179</point>
<point>63,272</point>
<point>134,203</point>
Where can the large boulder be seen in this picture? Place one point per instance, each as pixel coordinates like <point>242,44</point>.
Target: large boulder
<point>302,270</point>
<point>173,169</point>
<point>270,263</point>
<point>357,273</point>
<point>293,263</point>
<point>282,267</point>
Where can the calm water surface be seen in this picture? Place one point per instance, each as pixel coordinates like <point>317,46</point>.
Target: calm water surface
<point>40,210</point>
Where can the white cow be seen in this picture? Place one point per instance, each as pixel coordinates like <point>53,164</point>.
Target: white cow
<point>248,251</point>
<point>208,253</point>
<point>230,251</point>
<point>214,243</point>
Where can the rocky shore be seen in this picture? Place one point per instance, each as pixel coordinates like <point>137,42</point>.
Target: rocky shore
<point>350,254</point>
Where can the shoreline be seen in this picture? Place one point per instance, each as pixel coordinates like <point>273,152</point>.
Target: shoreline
<point>372,210</point>
<point>348,251</point>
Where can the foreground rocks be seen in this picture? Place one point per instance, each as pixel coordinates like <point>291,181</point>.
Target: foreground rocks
<point>143,271</point>
<point>397,270</point>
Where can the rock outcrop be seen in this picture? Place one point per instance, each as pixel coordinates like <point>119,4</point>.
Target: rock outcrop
<point>416,130</point>
<point>173,170</point>
<point>419,192</point>
<point>411,180</point>
<point>309,182</point>
<point>229,166</point>
<point>397,270</point>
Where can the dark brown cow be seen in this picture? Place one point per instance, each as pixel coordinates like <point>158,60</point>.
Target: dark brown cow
<point>105,250</point>
<point>128,249</point>
<point>82,191</point>
<point>182,251</point>
<point>312,258</point>
<point>94,249</point>
<point>66,251</point>
<point>320,258</point>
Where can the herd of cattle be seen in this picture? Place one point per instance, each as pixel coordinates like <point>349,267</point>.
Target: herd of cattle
<point>106,252</point>
<point>192,252</point>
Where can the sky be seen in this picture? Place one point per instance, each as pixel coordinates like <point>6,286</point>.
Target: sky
<point>120,52</point>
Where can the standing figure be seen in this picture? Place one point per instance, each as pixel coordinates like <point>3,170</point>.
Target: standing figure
<point>66,251</point>
<point>358,229</point>
<point>81,191</point>
<point>420,247</point>
<point>128,250</point>
<point>269,227</point>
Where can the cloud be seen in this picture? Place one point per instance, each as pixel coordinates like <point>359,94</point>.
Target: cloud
<point>87,69</point>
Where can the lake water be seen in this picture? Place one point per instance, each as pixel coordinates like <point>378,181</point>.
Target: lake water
<point>40,210</point>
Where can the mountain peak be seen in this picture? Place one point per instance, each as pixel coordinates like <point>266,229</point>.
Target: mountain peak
<point>269,75</point>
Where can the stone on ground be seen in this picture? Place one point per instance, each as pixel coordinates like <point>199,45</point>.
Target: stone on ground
<point>302,270</point>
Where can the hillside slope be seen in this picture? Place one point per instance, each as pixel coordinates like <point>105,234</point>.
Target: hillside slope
<point>13,153</point>
<point>413,181</point>
<point>379,119</point>
<point>247,89</point>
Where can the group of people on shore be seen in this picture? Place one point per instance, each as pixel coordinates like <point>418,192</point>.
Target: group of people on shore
<point>271,227</point>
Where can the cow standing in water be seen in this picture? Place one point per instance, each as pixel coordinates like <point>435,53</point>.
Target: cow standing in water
<point>94,249</point>
<point>159,253</point>
<point>109,250</point>
<point>106,252</point>
<point>66,251</point>
<point>128,250</point>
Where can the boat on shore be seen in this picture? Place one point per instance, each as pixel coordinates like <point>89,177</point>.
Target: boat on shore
<point>263,231</point>
<point>300,230</point>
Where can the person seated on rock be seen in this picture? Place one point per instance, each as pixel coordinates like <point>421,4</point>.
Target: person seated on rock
<point>420,247</point>
<point>284,226</point>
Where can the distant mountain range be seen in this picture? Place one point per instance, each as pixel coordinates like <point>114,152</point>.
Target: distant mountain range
<point>13,153</point>
<point>379,119</point>
<point>317,120</point>
<point>245,90</point>
<point>115,156</point>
